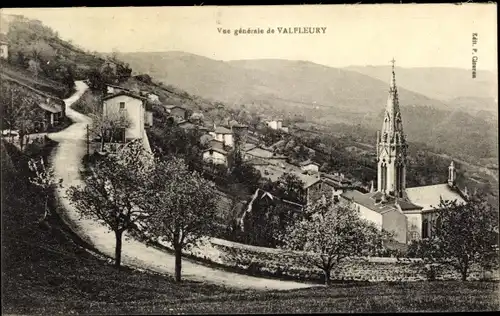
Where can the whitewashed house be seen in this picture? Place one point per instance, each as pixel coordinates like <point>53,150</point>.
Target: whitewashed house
<point>131,105</point>
<point>277,125</point>
<point>4,50</point>
<point>309,166</point>
<point>223,135</point>
<point>215,153</point>
<point>153,97</point>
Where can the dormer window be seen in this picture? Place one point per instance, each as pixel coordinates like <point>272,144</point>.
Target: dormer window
<point>122,106</point>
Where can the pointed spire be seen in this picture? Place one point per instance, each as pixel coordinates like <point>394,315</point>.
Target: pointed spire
<point>393,79</point>
<point>392,120</point>
<point>372,189</point>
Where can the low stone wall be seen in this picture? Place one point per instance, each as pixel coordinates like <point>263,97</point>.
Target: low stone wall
<point>270,262</point>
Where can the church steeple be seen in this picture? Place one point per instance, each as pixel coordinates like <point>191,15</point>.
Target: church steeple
<point>391,146</point>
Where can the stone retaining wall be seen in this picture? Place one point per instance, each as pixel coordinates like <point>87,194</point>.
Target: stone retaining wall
<point>291,265</point>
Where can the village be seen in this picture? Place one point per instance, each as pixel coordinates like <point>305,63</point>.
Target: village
<point>118,168</point>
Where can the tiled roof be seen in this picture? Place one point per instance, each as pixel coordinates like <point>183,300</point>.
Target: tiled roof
<point>222,130</point>
<point>127,93</point>
<point>273,173</point>
<point>248,147</point>
<point>429,196</point>
<point>50,107</point>
<point>188,125</point>
<point>308,162</point>
<point>118,87</point>
<point>366,201</point>
<point>263,153</point>
<point>216,149</point>
<point>335,178</point>
<point>373,201</point>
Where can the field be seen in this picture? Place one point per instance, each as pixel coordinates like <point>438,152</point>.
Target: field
<point>46,271</point>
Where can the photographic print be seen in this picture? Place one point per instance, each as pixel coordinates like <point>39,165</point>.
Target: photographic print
<point>249,159</point>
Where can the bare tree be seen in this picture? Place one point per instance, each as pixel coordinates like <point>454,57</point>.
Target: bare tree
<point>109,124</point>
<point>45,180</point>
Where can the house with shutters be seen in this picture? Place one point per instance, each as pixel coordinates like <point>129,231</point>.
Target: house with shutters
<point>135,108</point>
<point>215,153</point>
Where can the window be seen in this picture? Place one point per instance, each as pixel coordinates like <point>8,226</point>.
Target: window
<point>122,106</point>
<point>413,235</point>
<point>425,228</point>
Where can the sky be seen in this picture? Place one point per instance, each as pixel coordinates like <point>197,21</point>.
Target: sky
<point>423,35</point>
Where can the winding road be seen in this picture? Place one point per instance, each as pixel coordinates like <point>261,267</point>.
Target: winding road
<point>67,161</point>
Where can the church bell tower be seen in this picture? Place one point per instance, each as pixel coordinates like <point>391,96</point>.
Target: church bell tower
<point>392,147</point>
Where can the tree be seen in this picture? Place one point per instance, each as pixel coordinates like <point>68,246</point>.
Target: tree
<point>290,187</point>
<point>45,180</point>
<point>462,235</point>
<point>17,109</point>
<point>41,51</point>
<point>247,175</point>
<point>330,233</point>
<point>114,190</point>
<point>183,208</point>
<point>97,81</point>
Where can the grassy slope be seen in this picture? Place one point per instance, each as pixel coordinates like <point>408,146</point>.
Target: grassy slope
<point>46,272</point>
<point>42,83</point>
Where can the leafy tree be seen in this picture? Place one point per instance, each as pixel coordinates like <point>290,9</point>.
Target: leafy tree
<point>330,233</point>
<point>144,78</point>
<point>114,191</point>
<point>41,51</point>
<point>265,219</point>
<point>97,81</point>
<point>247,175</point>
<point>462,235</point>
<point>183,208</point>
<point>290,187</point>
<point>123,72</point>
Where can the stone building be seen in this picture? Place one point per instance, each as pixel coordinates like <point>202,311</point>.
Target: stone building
<point>407,212</point>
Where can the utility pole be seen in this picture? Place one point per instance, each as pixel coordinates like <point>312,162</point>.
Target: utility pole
<point>88,142</point>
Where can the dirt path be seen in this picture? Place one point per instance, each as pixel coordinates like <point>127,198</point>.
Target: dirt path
<point>67,163</point>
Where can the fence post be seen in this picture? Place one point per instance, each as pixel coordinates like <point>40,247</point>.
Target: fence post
<point>88,141</point>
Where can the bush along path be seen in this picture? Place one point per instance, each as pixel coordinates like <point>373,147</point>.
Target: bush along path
<point>67,163</point>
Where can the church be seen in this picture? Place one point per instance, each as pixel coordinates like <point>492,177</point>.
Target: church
<point>407,212</point>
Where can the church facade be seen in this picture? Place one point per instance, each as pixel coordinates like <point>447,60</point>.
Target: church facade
<point>406,212</point>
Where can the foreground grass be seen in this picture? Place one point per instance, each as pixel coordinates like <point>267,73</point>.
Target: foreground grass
<point>45,272</point>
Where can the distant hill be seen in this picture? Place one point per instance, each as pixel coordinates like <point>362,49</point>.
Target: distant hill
<point>336,96</point>
<point>451,85</point>
<point>278,84</point>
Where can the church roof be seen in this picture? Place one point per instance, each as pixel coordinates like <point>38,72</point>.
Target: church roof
<point>367,201</point>
<point>429,196</point>
<point>372,201</point>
